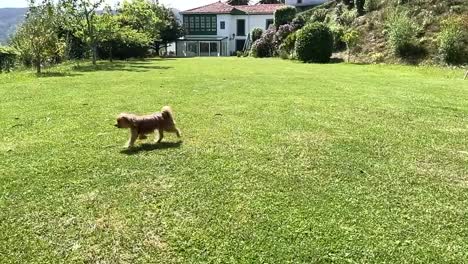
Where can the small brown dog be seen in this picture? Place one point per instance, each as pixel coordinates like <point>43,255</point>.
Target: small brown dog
<point>140,126</point>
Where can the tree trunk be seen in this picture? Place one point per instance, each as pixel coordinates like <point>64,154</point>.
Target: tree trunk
<point>349,53</point>
<point>110,54</point>
<point>38,66</point>
<point>91,35</point>
<point>94,48</point>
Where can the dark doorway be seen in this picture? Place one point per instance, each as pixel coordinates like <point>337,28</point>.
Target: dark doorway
<point>240,44</point>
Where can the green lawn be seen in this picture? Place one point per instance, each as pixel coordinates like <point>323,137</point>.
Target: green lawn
<point>281,162</point>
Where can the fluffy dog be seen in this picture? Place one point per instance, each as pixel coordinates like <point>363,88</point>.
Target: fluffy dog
<point>140,126</point>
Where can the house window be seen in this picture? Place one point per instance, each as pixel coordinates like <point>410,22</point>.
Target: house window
<point>222,25</point>
<point>299,1</point>
<point>200,24</point>
<point>269,22</point>
<point>240,27</point>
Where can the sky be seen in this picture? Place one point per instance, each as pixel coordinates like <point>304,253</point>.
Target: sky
<point>179,4</point>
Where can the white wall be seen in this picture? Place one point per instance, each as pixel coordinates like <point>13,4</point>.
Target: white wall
<point>251,22</point>
<point>305,2</point>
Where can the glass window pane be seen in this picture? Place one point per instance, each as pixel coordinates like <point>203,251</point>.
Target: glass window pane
<point>214,47</point>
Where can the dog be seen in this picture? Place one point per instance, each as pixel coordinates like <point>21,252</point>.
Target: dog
<point>141,126</point>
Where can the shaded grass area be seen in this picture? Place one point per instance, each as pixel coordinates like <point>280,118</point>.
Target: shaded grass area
<point>280,162</point>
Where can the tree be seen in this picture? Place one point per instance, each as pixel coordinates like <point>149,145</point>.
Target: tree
<point>238,2</point>
<point>37,40</point>
<point>351,39</point>
<point>142,16</point>
<point>84,15</point>
<point>284,15</point>
<point>170,30</point>
<point>107,29</point>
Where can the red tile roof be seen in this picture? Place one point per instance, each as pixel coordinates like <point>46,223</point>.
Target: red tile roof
<point>223,8</point>
<point>260,8</point>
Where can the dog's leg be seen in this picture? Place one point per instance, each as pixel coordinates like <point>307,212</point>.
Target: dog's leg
<point>161,136</point>
<point>177,131</point>
<point>142,136</point>
<point>133,138</point>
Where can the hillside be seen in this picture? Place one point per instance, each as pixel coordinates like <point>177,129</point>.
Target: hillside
<point>9,19</point>
<point>427,15</point>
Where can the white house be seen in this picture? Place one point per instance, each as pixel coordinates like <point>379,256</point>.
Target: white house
<point>303,3</point>
<point>220,29</point>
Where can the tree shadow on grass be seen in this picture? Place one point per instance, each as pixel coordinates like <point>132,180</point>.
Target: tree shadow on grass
<point>120,66</point>
<point>57,74</point>
<point>151,147</point>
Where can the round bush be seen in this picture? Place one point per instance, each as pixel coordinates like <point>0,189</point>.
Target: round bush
<point>451,40</point>
<point>284,15</point>
<point>264,46</point>
<point>256,34</point>
<point>314,43</point>
<point>282,33</point>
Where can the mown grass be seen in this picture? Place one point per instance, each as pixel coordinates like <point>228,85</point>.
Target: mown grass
<point>280,162</point>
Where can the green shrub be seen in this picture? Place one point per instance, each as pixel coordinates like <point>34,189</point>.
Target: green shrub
<point>286,49</point>
<point>256,34</point>
<point>452,41</point>
<point>284,15</point>
<point>338,33</point>
<point>401,32</point>
<point>314,43</point>
<point>351,38</point>
<point>7,59</point>
<point>371,5</point>
<point>360,6</point>
<point>319,15</point>
<point>265,46</point>
<point>347,17</point>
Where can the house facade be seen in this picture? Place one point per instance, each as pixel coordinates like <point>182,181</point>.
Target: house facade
<point>220,29</point>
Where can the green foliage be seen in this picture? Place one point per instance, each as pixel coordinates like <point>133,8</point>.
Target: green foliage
<point>319,15</point>
<point>453,40</point>
<point>120,41</point>
<point>256,34</point>
<point>265,46</point>
<point>170,29</point>
<point>314,43</point>
<point>351,38</point>
<point>348,17</point>
<point>401,33</point>
<point>82,19</point>
<point>7,58</point>
<point>359,4</point>
<point>107,30</point>
<point>286,49</point>
<point>37,40</point>
<point>371,5</point>
<point>284,15</point>
<point>141,16</point>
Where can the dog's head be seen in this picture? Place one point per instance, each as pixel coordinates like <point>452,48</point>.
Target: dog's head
<point>124,121</point>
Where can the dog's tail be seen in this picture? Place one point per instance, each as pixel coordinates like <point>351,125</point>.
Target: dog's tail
<point>167,113</point>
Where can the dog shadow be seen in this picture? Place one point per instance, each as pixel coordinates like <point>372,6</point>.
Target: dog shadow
<point>151,147</point>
